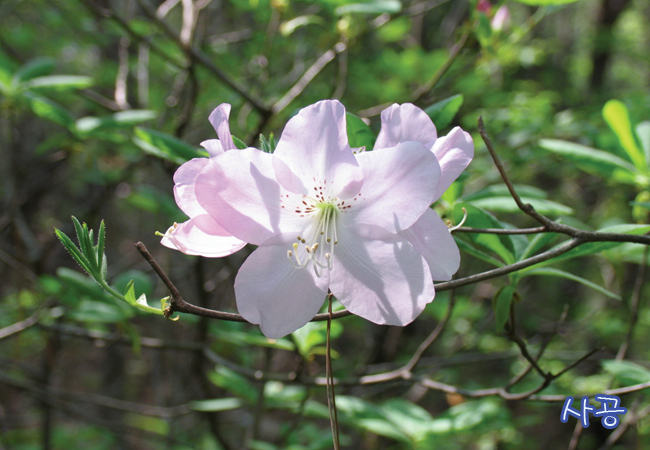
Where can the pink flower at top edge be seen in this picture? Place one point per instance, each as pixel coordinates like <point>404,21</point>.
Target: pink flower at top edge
<point>201,234</point>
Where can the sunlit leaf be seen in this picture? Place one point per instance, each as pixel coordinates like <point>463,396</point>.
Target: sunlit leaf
<point>627,372</point>
<point>359,133</point>
<point>502,301</point>
<point>165,146</point>
<point>616,115</point>
<point>48,109</point>
<point>550,271</point>
<point>216,404</point>
<point>59,82</point>
<point>594,161</point>
<point>443,112</point>
<point>373,7</point>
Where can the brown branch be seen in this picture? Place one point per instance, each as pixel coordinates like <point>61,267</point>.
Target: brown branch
<point>501,230</point>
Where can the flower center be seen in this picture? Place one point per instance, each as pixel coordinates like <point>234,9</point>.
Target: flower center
<point>320,241</point>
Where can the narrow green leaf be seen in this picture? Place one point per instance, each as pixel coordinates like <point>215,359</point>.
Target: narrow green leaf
<point>374,7</point>
<point>122,119</point>
<point>591,248</point>
<point>593,161</point>
<point>101,242</point>
<point>272,142</point>
<point>359,133</point>
<point>643,133</point>
<point>287,28</point>
<point>216,404</point>
<point>59,82</point>
<point>508,205</point>
<point>468,248</point>
<point>239,143</point>
<point>502,302</point>
<point>538,242</point>
<point>550,271</point>
<point>35,68</point>
<point>74,251</point>
<point>443,112</point>
<point>84,243</point>
<point>501,245</point>
<point>501,190</point>
<point>165,146</point>
<point>47,109</point>
<point>616,115</point>
<point>627,372</point>
<point>129,293</point>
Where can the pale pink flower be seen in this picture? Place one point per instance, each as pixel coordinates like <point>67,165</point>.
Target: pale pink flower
<point>501,18</point>
<point>201,234</point>
<point>407,122</point>
<point>325,218</point>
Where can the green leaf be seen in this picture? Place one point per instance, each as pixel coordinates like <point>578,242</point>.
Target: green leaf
<point>594,161</point>
<point>239,143</point>
<point>59,82</point>
<point>122,119</point>
<point>443,112</point>
<point>467,248</point>
<point>501,245</point>
<point>242,338</point>
<point>82,284</point>
<point>550,271</point>
<point>643,133</point>
<point>367,416</point>
<point>501,190</point>
<point>85,244</point>
<point>359,133</point>
<point>618,119</point>
<point>101,256</point>
<point>7,69</point>
<point>235,383</point>
<point>100,312</point>
<point>411,419</point>
<point>538,242</point>
<point>591,248</point>
<point>371,7</point>
<point>165,146</point>
<point>35,68</point>
<point>74,251</point>
<point>627,372</point>
<point>47,109</point>
<point>216,404</point>
<point>287,28</point>
<point>502,301</point>
<point>508,205</point>
<point>313,334</point>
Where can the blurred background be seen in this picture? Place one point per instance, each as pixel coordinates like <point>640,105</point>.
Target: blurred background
<point>101,100</point>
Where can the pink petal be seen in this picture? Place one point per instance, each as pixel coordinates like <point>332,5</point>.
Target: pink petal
<point>397,187</point>
<point>239,190</point>
<point>213,146</point>
<point>406,122</point>
<point>384,281</point>
<point>272,293</point>
<point>314,148</point>
<point>454,152</point>
<point>184,183</point>
<point>219,120</point>
<point>201,235</point>
<point>431,237</point>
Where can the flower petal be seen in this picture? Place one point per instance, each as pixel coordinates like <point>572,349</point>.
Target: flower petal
<point>272,293</point>
<point>213,146</point>
<point>431,237</point>
<point>383,280</point>
<point>184,184</point>
<point>454,152</point>
<point>314,148</point>
<point>239,190</point>
<point>406,122</point>
<point>201,235</point>
<point>219,120</point>
<point>398,184</point>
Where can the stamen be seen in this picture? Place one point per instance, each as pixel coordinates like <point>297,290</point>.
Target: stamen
<point>452,229</point>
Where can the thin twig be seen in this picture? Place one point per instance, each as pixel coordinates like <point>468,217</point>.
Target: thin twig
<point>331,397</point>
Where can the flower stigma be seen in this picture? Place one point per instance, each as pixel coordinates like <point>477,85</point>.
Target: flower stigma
<point>321,240</point>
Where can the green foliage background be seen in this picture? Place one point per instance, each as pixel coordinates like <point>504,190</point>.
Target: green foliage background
<point>101,101</point>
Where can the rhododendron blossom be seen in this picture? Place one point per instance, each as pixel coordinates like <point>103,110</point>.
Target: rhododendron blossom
<point>325,218</point>
<point>201,234</point>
